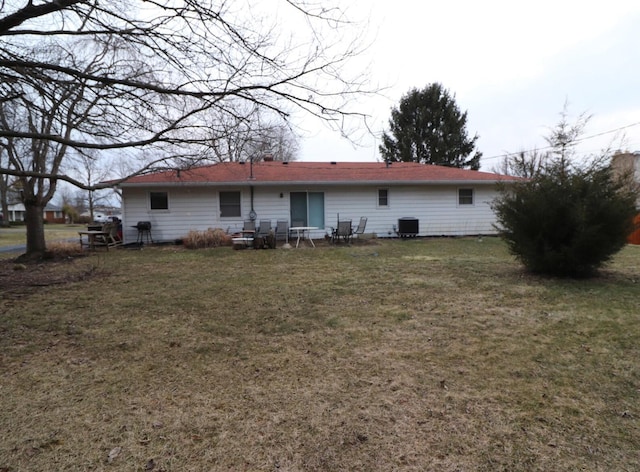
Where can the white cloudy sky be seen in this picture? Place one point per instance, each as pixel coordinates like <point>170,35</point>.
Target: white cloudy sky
<point>511,65</point>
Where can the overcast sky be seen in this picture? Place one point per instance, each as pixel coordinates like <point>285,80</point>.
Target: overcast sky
<point>510,65</point>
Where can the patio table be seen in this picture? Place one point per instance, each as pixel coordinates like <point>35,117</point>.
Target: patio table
<point>301,231</point>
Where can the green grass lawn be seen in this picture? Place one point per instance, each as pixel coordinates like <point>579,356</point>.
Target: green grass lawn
<point>17,235</point>
<point>435,354</point>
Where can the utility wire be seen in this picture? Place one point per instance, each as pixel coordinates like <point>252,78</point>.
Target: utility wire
<point>576,141</point>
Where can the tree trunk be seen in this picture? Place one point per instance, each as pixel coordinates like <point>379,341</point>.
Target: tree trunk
<point>35,229</point>
<point>4,213</point>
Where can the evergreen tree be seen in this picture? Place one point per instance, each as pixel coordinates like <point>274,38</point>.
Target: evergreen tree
<point>429,128</point>
<point>571,216</point>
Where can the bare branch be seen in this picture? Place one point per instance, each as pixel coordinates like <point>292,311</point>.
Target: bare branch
<point>88,78</point>
<point>31,11</point>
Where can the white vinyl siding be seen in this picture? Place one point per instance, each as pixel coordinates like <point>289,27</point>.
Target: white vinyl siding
<point>435,206</point>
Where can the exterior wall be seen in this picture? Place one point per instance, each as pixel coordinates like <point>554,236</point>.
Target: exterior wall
<point>16,215</point>
<point>624,163</point>
<point>197,208</point>
<point>435,207</point>
<point>193,208</point>
<point>54,216</point>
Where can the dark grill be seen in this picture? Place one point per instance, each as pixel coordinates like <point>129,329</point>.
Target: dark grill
<point>144,231</point>
<point>143,226</point>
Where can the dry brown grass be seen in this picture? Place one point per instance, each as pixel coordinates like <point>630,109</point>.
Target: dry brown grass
<point>59,249</point>
<point>206,239</point>
<point>415,355</point>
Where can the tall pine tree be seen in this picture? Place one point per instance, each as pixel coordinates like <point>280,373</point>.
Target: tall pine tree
<point>429,128</point>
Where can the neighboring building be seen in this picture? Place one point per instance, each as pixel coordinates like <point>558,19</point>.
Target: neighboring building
<point>625,163</point>
<point>628,162</point>
<point>445,201</point>
<point>51,214</point>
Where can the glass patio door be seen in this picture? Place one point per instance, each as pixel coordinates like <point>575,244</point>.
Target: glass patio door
<point>307,209</point>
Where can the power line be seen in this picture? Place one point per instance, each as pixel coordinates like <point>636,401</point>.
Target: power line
<point>576,141</point>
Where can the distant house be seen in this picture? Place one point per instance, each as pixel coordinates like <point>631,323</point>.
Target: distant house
<point>629,163</point>
<point>51,214</point>
<point>625,163</point>
<point>443,200</point>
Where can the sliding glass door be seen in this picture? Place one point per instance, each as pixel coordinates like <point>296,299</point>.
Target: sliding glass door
<point>307,209</point>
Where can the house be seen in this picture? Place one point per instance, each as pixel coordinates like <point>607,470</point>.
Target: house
<point>624,163</point>
<point>628,163</point>
<point>51,214</point>
<point>444,200</point>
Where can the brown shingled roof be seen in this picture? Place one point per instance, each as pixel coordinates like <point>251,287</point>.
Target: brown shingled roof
<point>317,172</point>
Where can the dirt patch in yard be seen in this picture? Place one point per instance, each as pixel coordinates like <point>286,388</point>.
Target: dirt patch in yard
<point>21,277</point>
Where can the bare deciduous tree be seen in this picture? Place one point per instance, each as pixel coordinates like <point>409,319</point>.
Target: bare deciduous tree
<point>525,164</point>
<point>91,170</point>
<point>142,76</point>
<point>250,136</point>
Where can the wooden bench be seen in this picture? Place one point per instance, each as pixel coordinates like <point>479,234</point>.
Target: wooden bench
<point>94,239</point>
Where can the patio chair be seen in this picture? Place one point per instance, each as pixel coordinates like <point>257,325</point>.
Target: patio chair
<point>360,228</point>
<point>282,230</point>
<point>249,225</point>
<point>113,239</point>
<point>104,239</point>
<point>342,231</point>
<point>263,228</point>
<point>264,236</point>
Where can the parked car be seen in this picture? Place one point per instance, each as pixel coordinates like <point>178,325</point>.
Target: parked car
<point>102,218</point>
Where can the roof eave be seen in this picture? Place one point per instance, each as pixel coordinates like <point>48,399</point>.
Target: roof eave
<point>257,183</point>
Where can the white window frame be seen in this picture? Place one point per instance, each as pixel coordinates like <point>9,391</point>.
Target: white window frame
<point>150,199</point>
<point>239,215</point>
<point>460,196</point>
<point>378,205</point>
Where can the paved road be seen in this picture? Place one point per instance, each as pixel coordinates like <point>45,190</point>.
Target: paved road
<point>21,248</point>
<point>64,235</point>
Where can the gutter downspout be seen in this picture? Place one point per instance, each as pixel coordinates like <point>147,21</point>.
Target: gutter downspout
<point>252,213</point>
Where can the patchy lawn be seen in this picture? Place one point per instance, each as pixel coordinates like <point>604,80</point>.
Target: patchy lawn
<point>17,236</point>
<point>436,354</point>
